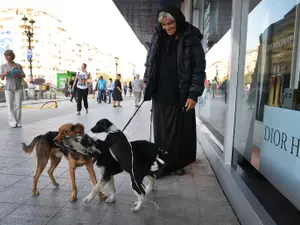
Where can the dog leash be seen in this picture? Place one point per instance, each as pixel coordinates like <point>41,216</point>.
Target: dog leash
<point>133,115</point>
<point>151,119</point>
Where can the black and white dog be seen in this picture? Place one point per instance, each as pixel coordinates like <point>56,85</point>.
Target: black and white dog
<point>138,158</point>
<point>85,145</point>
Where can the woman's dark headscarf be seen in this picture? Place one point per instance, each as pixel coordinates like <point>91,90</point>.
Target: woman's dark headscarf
<point>181,24</point>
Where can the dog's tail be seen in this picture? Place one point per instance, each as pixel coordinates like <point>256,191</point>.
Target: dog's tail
<point>29,148</point>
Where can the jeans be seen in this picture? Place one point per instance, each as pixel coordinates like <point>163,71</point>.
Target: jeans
<point>101,96</point>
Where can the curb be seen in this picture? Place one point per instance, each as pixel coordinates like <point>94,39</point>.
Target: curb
<point>38,102</point>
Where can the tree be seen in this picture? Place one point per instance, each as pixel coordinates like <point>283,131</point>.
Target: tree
<point>248,78</point>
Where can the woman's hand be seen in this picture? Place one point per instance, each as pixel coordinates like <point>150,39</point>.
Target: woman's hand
<point>4,75</point>
<point>190,104</point>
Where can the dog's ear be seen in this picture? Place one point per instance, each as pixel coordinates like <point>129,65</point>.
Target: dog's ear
<point>79,128</point>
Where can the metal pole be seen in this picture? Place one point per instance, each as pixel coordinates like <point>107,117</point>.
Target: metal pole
<point>30,60</point>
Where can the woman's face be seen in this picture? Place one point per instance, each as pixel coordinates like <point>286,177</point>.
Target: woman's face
<point>168,25</point>
<point>83,67</point>
<point>8,58</point>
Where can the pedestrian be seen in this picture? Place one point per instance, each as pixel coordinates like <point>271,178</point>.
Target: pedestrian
<point>174,78</point>
<point>73,90</point>
<point>137,90</point>
<point>117,93</point>
<point>125,88</point>
<point>101,90</point>
<point>110,89</point>
<point>14,75</point>
<point>214,88</point>
<point>82,88</point>
<point>130,88</point>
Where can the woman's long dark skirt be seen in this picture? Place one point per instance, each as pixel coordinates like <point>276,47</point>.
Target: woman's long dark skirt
<point>175,131</point>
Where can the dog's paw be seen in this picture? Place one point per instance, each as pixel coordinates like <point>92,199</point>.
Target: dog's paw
<point>55,183</point>
<point>35,193</point>
<point>73,198</point>
<point>137,207</point>
<point>110,199</point>
<point>102,196</point>
<point>87,199</point>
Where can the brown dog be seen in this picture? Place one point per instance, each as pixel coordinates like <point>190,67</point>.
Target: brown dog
<point>47,146</point>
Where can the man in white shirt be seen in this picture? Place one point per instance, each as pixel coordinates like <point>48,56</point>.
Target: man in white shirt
<point>137,89</point>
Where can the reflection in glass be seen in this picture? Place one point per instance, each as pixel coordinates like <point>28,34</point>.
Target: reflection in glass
<point>212,105</point>
<point>268,80</point>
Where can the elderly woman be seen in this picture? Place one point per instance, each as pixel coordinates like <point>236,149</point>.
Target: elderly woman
<point>14,74</point>
<point>174,78</point>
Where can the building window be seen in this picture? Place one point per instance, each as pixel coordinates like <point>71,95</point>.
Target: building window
<point>212,105</point>
<point>268,104</point>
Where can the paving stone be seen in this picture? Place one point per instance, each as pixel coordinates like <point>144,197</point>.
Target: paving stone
<point>194,199</point>
<point>211,193</point>
<point>7,162</point>
<point>52,198</point>
<point>96,204</point>
<point>77,216</point>
<point>124,203</point>
<point>2,188</point>
<point>202,170</point>
<point>15,195</point>
<point>22,171</point>
<point>175,211</point>
<point>26,182</point>
<point>128,218</point>
<point>65,184</point>
<point>81,173</point>
<point>7,208</point>
<point>176,191</point>
<point>27,214</point>
<point>209,180</point>
<point>58,172</point>
<point>7,180</point>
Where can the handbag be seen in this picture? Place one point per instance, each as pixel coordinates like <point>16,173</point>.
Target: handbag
<point>24,84</point>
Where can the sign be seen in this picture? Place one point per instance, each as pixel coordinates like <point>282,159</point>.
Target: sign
<point>280,151</point>
<point>29,54</point>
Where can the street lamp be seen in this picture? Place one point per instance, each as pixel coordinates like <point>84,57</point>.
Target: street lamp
<point>117,63</point>
<point>28,30</point>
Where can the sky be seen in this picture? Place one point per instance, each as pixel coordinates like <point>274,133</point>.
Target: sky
<point>97,22</point>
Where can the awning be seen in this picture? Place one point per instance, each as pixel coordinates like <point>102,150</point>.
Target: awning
<point>141,15</point>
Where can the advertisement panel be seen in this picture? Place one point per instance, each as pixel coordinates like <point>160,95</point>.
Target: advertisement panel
<point>274,62</point>
<point>280,151</point>
<point>5,43</point>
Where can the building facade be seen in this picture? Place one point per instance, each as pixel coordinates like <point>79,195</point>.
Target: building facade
<point>53,49</point>
<point>249,128</point>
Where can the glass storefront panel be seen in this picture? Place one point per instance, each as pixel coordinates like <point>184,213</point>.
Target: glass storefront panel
<point>212,105</point>
<point>267,115</point>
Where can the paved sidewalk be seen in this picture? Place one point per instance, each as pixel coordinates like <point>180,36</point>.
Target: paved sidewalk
<point>193,199</point>
<point>40,101</point>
